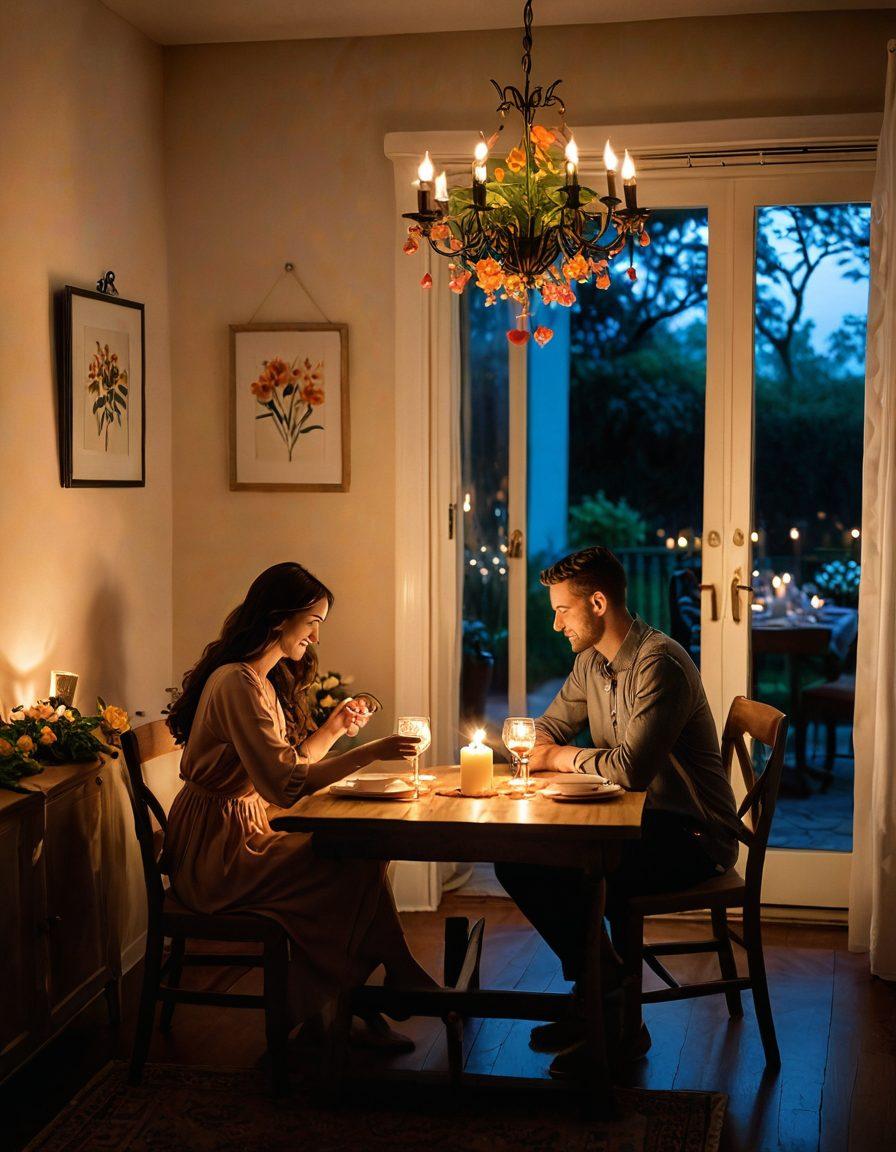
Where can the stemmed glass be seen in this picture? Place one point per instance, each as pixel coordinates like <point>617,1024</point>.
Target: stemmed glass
<point>518,735</point>
<point>416,726</point>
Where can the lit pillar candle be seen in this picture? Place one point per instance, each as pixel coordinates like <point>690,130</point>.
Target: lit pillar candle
<point>610,163</point>
<point>629,182</point>
<point>476,766</point>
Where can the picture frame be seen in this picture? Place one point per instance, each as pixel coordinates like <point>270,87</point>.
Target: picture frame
<point>101,374</point>
<point>289,408</point>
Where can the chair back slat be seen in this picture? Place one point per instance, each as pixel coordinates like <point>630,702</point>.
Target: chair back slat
<point>139,746</point>
<point>767,726</point>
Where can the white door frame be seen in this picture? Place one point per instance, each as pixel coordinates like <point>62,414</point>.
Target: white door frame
<point>427,644</point>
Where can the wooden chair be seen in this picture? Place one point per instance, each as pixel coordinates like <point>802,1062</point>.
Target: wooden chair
<point>830,704</point>
<point>769,727</point>
<point>171,920</point>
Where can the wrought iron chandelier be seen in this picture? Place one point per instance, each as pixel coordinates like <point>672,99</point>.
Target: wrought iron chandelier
<point>525,224</point>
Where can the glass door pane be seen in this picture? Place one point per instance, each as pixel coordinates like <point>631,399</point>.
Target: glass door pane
<point>810,312</point>
<point>483,513</point>
<point>616,412</point>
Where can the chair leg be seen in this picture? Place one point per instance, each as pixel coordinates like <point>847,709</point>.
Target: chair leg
<point>830,753</point>
<point>727,965</point>
<point>152,964</point>
<point>178,944</point>
<point>276,1013</point>
<point>759,982</point>
<point>628,940</point>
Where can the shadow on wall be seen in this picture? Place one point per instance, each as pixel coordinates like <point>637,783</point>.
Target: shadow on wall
<point>105,624</point>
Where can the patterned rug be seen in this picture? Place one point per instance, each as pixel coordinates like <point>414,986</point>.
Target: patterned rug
<point>214,1110</point>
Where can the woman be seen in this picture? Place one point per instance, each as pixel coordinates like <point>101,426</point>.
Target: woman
<point>249,740</point>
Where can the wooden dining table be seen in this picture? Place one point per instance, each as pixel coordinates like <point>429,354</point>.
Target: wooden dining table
<point>493,829</point>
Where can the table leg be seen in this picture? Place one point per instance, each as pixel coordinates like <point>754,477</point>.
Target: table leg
<point>597,1084</point>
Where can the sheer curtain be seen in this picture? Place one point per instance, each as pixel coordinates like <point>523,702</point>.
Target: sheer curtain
<point>872,911</point>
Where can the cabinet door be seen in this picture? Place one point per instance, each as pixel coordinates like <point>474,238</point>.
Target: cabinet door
<point>22,1010</point>
<point>77,940</point>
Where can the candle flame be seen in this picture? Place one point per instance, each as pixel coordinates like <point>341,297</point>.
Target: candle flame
<point>442,187</point>
<point>426,171</point>
<point>610,158</point>
<point>478,737</point>
<point>572,152</point>
<point>628,167</point>
<point>480,152</point>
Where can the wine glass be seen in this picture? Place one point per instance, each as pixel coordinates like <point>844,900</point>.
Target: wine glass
<point>416,726</point>
<point>518,735</point>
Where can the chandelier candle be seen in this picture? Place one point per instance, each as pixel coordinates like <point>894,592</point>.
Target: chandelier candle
<point>426,171</point>
<point>629,183</point>
<point>476,763</point>
<point>527,225</point>
<point>611,163</point>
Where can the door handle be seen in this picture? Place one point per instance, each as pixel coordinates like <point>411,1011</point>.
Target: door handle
<point>736,589</point>
<point>515,545</point>
<point>713,600</point>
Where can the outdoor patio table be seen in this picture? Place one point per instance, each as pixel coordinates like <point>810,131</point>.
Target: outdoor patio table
<point>797,638</point>
<point>535,830</point>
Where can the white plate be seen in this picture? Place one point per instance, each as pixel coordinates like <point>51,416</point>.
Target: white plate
<point>348,790</point>
<point>603,793</point>
<point>374,782</point>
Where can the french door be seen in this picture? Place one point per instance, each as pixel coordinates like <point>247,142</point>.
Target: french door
<point>705,422</point>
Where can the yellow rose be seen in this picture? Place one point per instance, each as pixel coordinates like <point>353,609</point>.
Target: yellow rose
<point>69,715</point>
<point>25,745</point>
<point>47,735</point>
<point>6,748</point>
<point>115,719</point>
<point>330,682</point>
<point>327,702</point>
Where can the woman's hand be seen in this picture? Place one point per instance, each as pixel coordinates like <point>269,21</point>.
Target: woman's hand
<point>346,719</point>
<point>392,748</point>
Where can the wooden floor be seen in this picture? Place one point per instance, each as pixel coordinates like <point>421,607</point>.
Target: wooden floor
<point>836,1091</point>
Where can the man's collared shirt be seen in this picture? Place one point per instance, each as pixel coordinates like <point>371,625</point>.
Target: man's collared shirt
<point>652,730</point>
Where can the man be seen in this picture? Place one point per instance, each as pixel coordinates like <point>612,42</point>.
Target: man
<point>640,698</point>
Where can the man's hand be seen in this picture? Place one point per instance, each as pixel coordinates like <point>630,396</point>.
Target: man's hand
<point>549,757</point>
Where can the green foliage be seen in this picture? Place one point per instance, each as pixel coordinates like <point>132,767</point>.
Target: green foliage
<point>477,641</point>
<point>47,733</point>
<point>596,519</point>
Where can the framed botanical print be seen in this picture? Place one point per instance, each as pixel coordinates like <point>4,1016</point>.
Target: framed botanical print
<point>102,401</point>
<point>289,417</point>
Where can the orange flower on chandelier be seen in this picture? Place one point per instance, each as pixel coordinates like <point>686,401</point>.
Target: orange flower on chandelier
<point>489,276</point>
<point>541,137</point>
<point>458,282</point>
<point>578,268</point>
<point>542,335</point>
<point>516,160</point>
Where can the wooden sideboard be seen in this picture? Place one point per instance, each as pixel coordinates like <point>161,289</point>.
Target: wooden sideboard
<point>57,939</point>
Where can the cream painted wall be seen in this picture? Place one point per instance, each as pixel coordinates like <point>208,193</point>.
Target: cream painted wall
<point>275,152</point>
<point>85,574</point>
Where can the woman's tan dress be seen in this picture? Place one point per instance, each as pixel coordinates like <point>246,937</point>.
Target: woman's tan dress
<point>222,855</point>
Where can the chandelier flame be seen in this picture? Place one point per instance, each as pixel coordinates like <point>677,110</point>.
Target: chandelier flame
<point>525,224</point>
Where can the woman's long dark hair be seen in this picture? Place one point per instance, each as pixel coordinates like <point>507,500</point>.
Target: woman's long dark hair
<point>278,593</point>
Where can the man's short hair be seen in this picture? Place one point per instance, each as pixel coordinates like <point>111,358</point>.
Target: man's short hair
<point>590,570</point>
